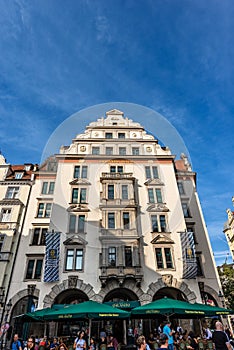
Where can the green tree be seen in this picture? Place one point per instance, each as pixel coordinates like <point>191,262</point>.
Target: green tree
<point>226,273</point>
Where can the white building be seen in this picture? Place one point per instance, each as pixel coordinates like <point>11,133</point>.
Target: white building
<point>124,222</point>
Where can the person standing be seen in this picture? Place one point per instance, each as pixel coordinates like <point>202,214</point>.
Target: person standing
<point>80,342</point>
<point>167,330</point>
<point>16,345</point>
<point>220,338</point>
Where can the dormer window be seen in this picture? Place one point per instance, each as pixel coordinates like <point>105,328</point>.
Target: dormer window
<point>27,167</point>
<point>18,176</point>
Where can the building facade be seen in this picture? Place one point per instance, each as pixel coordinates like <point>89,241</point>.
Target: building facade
<point>228,230</point>
<point>112,217</point>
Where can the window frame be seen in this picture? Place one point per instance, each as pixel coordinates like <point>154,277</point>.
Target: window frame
<point>95,150</point>
<point>109,151</point>
<point>122,151</point>
<point>76,223</point>
<point>35,260</point>
<point>41,236</point>
<point>81,170</point>
<point>80,192</point>
<point>158,222</point>
<point>112,256</point>
<point>151,172</point>
<point>44,210</point>
<point>164,260</point>
<point>15,192</point>
<point>111,220</point>
<point>5,217</point>
<point>108,135</point>
<point>135,151</point>
<point>74,257</point>
<point>124,193</point>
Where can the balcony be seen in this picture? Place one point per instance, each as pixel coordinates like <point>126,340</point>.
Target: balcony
<point>126,203</point>
<point>116,176</point>
<point>118,233</point>
<point>121,274</point>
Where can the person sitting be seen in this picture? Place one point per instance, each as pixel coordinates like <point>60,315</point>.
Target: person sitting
<point>163,341</point>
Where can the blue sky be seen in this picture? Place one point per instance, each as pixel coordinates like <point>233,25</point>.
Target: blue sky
<point>176,57</point>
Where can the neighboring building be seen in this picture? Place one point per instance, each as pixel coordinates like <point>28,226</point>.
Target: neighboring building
<point>124,224</point>
<point>15,186</point>
<point>228,230</point>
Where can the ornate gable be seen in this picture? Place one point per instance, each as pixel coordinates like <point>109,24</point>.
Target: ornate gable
<point>158,207</point>
<point>75,240</point>
<point>162,239</point>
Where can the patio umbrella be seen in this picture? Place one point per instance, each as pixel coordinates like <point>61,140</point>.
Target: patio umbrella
<point>169,307</point>
<point>165,306</point>
<point>88,309</point>
<point>213,310</point>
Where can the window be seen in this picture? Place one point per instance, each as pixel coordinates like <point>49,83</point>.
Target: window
<point>74,260</point>
<point>18,176</point>
<point>79,195</point>
<point>186,210</point>
<point>109,151</point>
<point>27,167</point>
<point>34,268</point>
<point>121,135</point>
<point>126,221</point>
<point>116,169</point>
<point>181,188</point>
<point>151,172</point>
<point>111,191</point>
<point>47,188</point>
<point>108,135</point>
<point>80,172</point>
<point>164,258</point>
<point>135,151</point>
<point>111,220</point>
<point>199,265</point>
<point>52,166</point>
<point>122,151</point>
<point>77,223</point>
<point>39,236</point>
<point>112,256</point>
<point>155,196</point>
<point>128,256</point>
<point>12,192</point>
<point>44,210</point>
<point>124,191</point>
<point>154,223</point>
<point>158,223</point>
<point>95,150</point>
<point>6,215</point>
<point>2,237</point>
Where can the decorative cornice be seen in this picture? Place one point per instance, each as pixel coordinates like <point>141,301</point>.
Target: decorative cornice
<point>75,240</point>
<point>154,182</point>
<point>157,207</point>
<point>159,239</point>
<point>11,201</point>
<point>79,181</point>
<point>78,208</point>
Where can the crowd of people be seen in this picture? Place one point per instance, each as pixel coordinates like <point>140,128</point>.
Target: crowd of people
<point>165,337</point>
